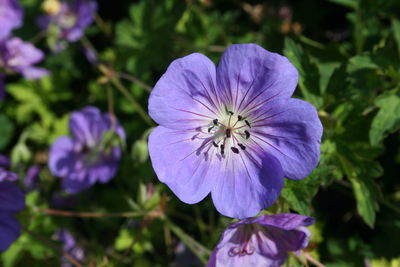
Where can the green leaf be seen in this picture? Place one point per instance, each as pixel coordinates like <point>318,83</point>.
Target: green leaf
<point>387,119</point>
<point>6,131</point>
<point>366,195</point>
<point>309,80</point>
<point>396,33</point>
<point>347,3</point>
<point>361,62</point>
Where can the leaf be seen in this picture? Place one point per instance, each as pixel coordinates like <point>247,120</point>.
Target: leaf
<point>387,119</point>
<point>309,78</point>
<point>366,195</point>
<point>6,131</point>
<point>396,33</point>
<point>347,3</point>
<point>361,62</point>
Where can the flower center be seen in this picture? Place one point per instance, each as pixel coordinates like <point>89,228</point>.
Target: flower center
<point>230,133</point>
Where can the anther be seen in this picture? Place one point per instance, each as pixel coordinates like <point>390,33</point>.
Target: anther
<point>240,118</point>
<point>242,146</point>
<point>230,112</point>
<point>248,123</point>
<point>228,133</point>
<point>214,144</point>
<point>247,134</point>
<point>235,150</point>
<point>210,128</point>
<point>215,121</point>
<point>222,149</point>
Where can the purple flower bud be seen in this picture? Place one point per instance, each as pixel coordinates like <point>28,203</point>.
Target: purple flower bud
<point>5,174</point>
<point>11,15</point>
<point>32,177</point>
<point>12,200</point>
<point>70,246</point>
<point>232,130</point>
<point>83,159</point>
<point>261,242</point>
<point>19,56</point>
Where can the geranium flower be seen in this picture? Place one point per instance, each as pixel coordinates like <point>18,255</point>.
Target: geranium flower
<point>232,130</point>
<point>84,159</point>
<point>70,19</point>
<point>11,15</point>
<point>261,242</point>
<point>12,200</point>
<point>19,56</point>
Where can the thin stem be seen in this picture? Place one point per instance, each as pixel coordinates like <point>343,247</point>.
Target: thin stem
<point>110,102</point>
<point>134,79</point>
<point>53,247</point>
<point>86,214</point>
<point>117,83</point>
<point>310,259</point>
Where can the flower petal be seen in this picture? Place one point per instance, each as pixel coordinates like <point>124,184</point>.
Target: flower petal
<point>290,130</point>
<point>248,76</point>
<point>179,161</point>
<point>285,221</point>
<point>11,197</point>
<point>33,73</point>
<point>10,229</point>
<point>62,157</point>
<point>248,184</point>
<point>74,186</point>
<point>87,125</point>
<point>186,93</point>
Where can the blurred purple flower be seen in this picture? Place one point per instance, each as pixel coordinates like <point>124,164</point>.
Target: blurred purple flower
<point>19,56</point>
<point>83,159</point>
<point>32,177</point>
<point>70,246</point>
<point>261,242</point>
<point>12,200</point>
<point>5,174</point>
<point>11,15</point>
<point>232,130</point>
<point>71,19</point>
<point>91,55</point>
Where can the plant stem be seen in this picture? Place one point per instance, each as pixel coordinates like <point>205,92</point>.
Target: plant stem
<point>116,82</point>
<point>54,247</point>
<point>134,79</point>
<point>86,214</point>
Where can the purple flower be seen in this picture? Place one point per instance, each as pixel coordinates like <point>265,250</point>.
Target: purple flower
<point>232,130</point>
<point>70,246</point>
<point>12,200</point>
<point>84,159</point>
<point>5,174</point>
<point>19,56</point>
<point>11,15</point>
<point>71,19</point>
<point>261,242</point>
<point>32,177</point>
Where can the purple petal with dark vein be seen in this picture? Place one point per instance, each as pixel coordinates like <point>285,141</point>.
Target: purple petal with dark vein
<point>248,76</point>
<point>185,95</point>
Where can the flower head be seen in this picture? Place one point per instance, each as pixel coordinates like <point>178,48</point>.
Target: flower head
<point>261,242</point>
<point>11,15</point>
<point>32,177</point>
<point>12,200</point>
<point>232,130</point>
<point>70,19</point>
<point>19,56</point>
<point>70,246</point>
<point>84,159</point>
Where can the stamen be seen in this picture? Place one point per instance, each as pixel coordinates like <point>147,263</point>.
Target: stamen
<point>240,118</point>
<point>242,146</point>
<point>247,134</point>
<point>222,149</point>
<point>215,121</point>
<point>231,113</point>
<point>248,123</point>
<point>228,133</point>
<point>235,150</point>
<point>214,144</point>
<point>210,128</point>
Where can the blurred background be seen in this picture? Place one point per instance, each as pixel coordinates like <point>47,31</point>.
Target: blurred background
<point>348,56</point>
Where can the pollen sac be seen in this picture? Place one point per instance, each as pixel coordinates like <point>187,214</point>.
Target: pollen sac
<point>215,121</point>
<point>242,146</point>
<point>214,144</point>
<point>222,149</point>
<point>247,123</point>
<point>228,133</point>
<point>235,150</point>
<point>240,118</point>
<point>247,134</point>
